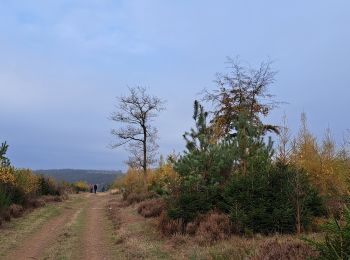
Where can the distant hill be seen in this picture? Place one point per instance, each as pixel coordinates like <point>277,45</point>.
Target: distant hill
<point>100,177</point>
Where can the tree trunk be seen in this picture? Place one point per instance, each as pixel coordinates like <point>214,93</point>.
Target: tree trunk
<point>298,218</point>
<point>144,166</point>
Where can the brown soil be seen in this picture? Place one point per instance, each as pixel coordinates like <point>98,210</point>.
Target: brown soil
<point>95,242</point>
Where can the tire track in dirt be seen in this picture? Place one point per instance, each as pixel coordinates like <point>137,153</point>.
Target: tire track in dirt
<point>35,245</point>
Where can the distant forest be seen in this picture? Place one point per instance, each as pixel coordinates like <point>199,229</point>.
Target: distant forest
<point>100,177</point>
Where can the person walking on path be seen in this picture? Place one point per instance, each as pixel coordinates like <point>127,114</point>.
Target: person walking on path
<point>95,188</point>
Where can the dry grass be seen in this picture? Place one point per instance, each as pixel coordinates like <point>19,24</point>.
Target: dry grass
<point>115,191</point>
<point>284,248</point>
<point>50,198</point>
<point>6,216</point>
<point>169,226</point>
<point>191,228</point>
<point>212,228</point>
<point>16,211</point>
<point>36,203</point>
<point>43,200</point>
<point>151,208</point>
<point>134,197</point>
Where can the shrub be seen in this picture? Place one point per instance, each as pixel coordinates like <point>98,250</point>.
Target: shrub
<point>170,226</point>
<point>6,215</point>
<point>36,203</point>
<point>81,186</point>
<point>213,227</point>
<point>192,227</point>
<point>337,240</point>
<point>26,182</point>
<point>275,249</point>
<point>16,211</point>
<point>7,176</point>
<point>188,206</point>
<point>268,202</point>
<point>5,200</point>
<point>163,179</point>
<point>151,208</point>
<point>132,182</point>
<point>48,186</point>
<point>133,197</point>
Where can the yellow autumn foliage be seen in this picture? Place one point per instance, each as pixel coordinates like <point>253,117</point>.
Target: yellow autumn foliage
<point>7,176</point>
<point>81,186</point>
<point>132,181</point>
<point>26,181</point>
<point>163,177</point>
<point>327,166</point>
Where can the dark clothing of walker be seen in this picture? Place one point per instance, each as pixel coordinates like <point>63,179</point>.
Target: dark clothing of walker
<point>95,188</point>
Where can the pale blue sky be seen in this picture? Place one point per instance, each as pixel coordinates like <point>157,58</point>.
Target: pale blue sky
<point>62,63</point>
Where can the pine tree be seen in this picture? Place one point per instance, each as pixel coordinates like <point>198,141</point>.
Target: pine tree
<point>4,161</point>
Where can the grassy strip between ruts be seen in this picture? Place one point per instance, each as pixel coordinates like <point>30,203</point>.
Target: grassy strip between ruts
<point>16,231</point>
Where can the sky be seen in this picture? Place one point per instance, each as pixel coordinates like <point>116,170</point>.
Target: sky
<point>64,62</point>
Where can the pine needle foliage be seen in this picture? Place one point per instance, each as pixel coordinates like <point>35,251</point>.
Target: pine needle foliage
<point>336,244</point>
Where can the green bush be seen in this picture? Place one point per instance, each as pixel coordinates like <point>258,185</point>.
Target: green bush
<point>202,175</point>
<point>336,244</point>
<point>5,200</point>
<point>48,186</point>
<point>266,202</point>
<point>188,206</point>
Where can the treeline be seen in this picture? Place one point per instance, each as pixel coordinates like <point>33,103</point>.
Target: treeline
<point>232,179</point>
<point>100,177</point>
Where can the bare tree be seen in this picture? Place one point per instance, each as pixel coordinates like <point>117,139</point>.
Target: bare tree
<point>136,111</point>
<point>284,146</point>
<point>243,89</point>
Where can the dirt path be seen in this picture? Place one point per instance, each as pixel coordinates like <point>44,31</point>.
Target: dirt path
<point>82,227</point>
<point>95,241</point>
<point>34,246</point>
